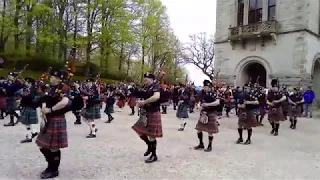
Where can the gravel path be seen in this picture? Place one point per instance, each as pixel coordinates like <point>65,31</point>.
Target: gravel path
<point>117,152</point>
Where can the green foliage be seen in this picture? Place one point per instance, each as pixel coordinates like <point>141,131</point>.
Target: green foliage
<point>121,39</point>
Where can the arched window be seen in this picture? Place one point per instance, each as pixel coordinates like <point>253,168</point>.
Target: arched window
<point>255,11</point>
<point>240,12</point>
<point>272,10</point>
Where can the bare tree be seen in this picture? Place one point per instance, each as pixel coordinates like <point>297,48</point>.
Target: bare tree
<point>200,52</point>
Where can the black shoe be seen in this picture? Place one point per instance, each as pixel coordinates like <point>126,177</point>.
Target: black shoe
<point>9,124</point>
<point>275,133</point>
<point>182,127</point>
<point>109,120</point>
<point>33,135</point>
<point>208,149</point>
<point>164,113</point>
<point>1,117</point>
<point>294,126</point>
<point>49,174</point>
<point>131,114</point>
<point>151,159</point>
<point>91,136</point>
<point>77,122</point>
<point>247,142</point>
<point>200,146</point>
<point>27,140</point>
<point>272,131</point>
<point>240,140</point>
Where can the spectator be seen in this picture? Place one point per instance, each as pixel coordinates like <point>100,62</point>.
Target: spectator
<point>308,97</point>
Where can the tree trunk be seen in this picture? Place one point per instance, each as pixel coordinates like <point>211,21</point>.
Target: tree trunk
<point>16,24</point>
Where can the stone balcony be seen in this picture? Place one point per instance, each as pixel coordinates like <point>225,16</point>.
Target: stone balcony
<point>260,30</point>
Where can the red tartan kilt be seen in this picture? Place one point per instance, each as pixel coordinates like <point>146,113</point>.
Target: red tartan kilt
<point>250,120</point>
<point>211,127</point>
<point>262,110</point>
<point>3,103</point>
<point>54,134</point>
<point>132,101</point>
<point>277,115</point>
<point>121,103</point>
<point>154,126</point>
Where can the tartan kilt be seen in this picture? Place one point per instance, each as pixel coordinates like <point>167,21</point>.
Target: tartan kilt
<point>262,109</point>
<point>211,127</point>
<point>11,104</point>
<point>28,116</point>
<point>109,109</point>
<point>275,114</point>
<point>295,111</point>
<point>54,134</point>
<point>132,101</point>
<point>247,118</point>
<point>182,111</point>
<point>285,107</point>
<point>153,128</point>
<point>92,112</point>
<point>121,103</point>
<point>3,103</point>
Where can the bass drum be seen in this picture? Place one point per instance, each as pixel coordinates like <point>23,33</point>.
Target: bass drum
<point>77,103</point>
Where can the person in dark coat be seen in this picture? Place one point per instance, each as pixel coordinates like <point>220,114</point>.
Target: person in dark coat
<point>295,103</point>
<point>53,131</point>
<point>15,85</point>
<point>247,119</point>
<point>149,125</point>
<point>275,112</point>
<point>29,115</point>
<point>208,117</point>
<point>109,100</point>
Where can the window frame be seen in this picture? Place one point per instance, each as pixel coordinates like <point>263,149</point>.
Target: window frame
<point>240,14</point>
<point>255,10</point>
<point>269,7</point>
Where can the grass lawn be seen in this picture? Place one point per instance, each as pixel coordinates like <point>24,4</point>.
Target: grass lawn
<point>37,75</point>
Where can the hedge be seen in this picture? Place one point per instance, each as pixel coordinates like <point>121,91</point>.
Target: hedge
<point>40,63</point>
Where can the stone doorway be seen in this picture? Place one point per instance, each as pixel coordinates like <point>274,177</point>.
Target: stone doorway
<point>316,77</point>
<point>254,72</point>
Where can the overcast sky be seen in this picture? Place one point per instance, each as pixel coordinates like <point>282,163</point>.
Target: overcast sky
<point>191,17</point>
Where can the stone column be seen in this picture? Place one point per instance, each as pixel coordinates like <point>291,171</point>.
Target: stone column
<point>265,10</point>
<point>246,12</point>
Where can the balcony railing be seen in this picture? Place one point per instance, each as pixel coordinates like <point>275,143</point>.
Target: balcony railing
<point>252,30</point>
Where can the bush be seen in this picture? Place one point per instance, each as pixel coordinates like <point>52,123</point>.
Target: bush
<point>36,62</point>
<point>40,63</point>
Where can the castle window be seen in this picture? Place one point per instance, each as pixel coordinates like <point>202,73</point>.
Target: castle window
<point>255,11</point>
<point>272,10</point>
<point>240,12</point>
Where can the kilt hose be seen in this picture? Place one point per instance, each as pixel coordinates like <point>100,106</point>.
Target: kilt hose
<point>132,101</point>
<point>121,103</point>
<point>54,134</point>
<point>3,103</point>
<point>276,114</point>
<point>11,105</point>
<point>28,116</point>
<point>182,111</point>
<point>153,128</point>
<point>295,111</point>
<point>211,127</point>
<point>247,118</point>
<point>91,112</point>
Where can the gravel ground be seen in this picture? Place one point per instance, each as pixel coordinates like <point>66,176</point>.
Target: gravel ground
<point>117,152</point>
